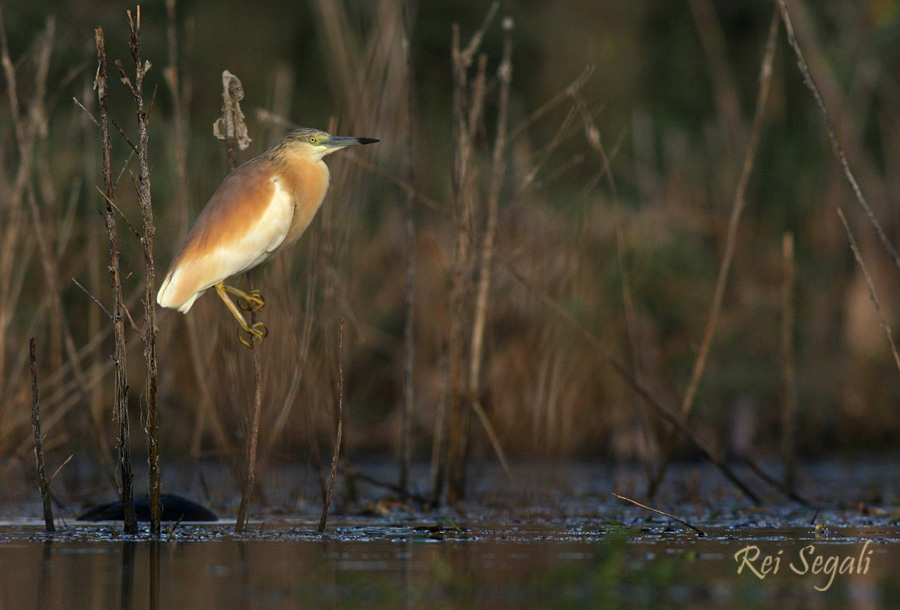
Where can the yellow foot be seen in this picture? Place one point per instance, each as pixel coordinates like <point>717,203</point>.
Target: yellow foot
<point>257,331</point>
<point>250,300</point>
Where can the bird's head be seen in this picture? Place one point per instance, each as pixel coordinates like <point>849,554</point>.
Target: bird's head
<point>314,143</point>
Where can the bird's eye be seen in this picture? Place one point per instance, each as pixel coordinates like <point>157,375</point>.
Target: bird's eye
<point>313,140</point>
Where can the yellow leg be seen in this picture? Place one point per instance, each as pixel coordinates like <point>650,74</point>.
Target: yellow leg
<point>257,330</point>
<point>250,298</point>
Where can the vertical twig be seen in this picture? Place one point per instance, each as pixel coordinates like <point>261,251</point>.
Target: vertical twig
<point>253,439</point>
<point>409,329</point>
<point>150,331</point>
<point>765,82</point>
<point>232,128</point>
<point>789,400</point>
<point>39,442</point>
<point>339,433</point>
<point>121,385</point>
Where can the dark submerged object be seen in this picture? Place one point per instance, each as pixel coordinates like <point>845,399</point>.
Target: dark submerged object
<point>174,508</point>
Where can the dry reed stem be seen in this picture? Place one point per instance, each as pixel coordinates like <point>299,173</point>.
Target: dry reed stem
<point>39,442</point>
<point>253,438</point>
<point>498,170</point>
<point>232,128</point>
<point>664,514</point>
<point>789,376</point>
<point>468,105</point>
<point>150,330</point>
<point>338,433</point>
<point>873,295</point>
<point>829,128</point>
<point>765,82</point>
<point>120,408</point>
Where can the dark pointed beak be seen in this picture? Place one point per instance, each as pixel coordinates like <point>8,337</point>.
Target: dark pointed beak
<point>340,141</point>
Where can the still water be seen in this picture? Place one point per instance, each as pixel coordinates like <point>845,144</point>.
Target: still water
<point>584,563</point>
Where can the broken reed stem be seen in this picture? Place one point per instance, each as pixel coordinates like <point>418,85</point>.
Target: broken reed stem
<point>410,226</point>
<point>873,296</point>
<point>829,128</point>
<point>126,491</point>
<point>339,433</point>
<point>789,396</point>
<point>659,512</point>
<point>233,130</point>
<point>150,332</point>
<point>765,82</point>
<point>39,442</point>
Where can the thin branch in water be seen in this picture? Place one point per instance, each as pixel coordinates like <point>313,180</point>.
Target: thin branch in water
<point>351,472</point>
<point>39,442</point>
<point>774,483</point>
<point>339,433</point>
<point>150,331</point>
<point>700,532</point>
<point>232,128</point>
<point>121,384</point>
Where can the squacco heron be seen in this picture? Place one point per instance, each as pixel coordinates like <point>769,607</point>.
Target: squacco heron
<point>260,208</point>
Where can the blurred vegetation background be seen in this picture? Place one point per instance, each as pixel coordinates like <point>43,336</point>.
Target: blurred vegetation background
<point>632,253</point>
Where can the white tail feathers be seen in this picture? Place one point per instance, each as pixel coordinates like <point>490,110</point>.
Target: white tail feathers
<point>171,296</point>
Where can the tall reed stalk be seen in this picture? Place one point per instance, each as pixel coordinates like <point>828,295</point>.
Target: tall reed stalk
<point>126,491</point>
<point>232,128</point>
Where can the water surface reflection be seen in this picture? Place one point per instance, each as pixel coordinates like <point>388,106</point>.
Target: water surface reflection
<point>389,566</point>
